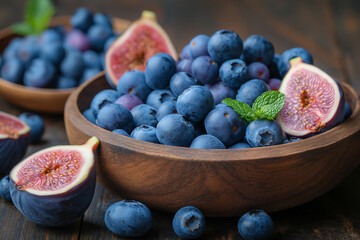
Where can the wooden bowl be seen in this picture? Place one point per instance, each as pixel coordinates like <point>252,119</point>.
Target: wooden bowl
<point>219,182</point>
<point>40,99</point>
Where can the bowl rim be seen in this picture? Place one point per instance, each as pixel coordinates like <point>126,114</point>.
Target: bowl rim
<point>273,153</point>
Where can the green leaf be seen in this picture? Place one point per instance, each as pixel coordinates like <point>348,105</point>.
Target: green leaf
<point>22,28</point>
<point>269,104</point>
<point>243,109</point>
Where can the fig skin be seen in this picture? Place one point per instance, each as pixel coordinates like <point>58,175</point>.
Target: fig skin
<point>55,210</point>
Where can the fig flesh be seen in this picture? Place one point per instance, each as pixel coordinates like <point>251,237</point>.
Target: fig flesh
<point>14,140</point>
<point>55,186</point>
<point>130,51</point>
<point>314,101</point>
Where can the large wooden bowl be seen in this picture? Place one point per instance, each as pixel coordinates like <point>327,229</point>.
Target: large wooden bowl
<point>40,99</point>
<point>219,182</point>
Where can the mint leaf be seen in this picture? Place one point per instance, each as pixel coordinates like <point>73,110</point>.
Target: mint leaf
<point>269,104</point>
<point>22,28</point>
<point>37,15</point>
<point>243,109</point>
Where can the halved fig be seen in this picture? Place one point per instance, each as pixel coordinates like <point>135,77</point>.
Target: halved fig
<point>314,101</point>
<point>14,140</point>
<point>55,186</point>
<point>141,40</point>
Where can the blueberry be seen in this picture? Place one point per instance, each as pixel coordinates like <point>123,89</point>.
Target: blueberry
<point>157,97</point>
<point>4,188</point>
<point>64,82</point>
<point>128,218</point>
<point>145,133</point>
<point>220,91</point>
<point>129,101</point>
<point>258,70</point>
<point>189,223</point>
<point>184,65</point>
<point>12,70</point>
<point>97,35</point>
<point>11,50</point>
<point>258,49</point>
<point>166,108</point>
<point>82,19</point>
<point>50,36</point>
<point>133,82</point>
<point>261,132</point>
<point>250,90</point>
<point>121,132</point>
<point>113,116</point>
<point>109,41</point>
<point>40,74</point>
<point>274,83</point>
<point>205,70</point>
<point>255,225</point>
<point>52,51</point>
<point>102,19</point>
<point>292,139</point>
<point>195,103</point>
<point>240,145</point>
<point>73,64</point>
<point>225,45</point>
<point>28,50</point>
<point>225,124</point>
<point>273,67</point>
<point>181,81</point>
<point>185,53</point>
<point>36,124</point>
<point>198,46</point>
<point>174,130</point>
<point>144,114</point>
<point>89,115</point>
<point>159,70</point>
<point>233,73</point>
<point>77,40</point>
<point>207,141</point>
<point>1,61</point>
<point>284,64</point>
<point>88,74</point>
<point>91,59</point>
<point>102,98</point>
<point>347,111</point>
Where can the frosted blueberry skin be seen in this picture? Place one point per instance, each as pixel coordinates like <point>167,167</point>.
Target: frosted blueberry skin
<point>220,91</point>
<point>89,115</point>
<point>255,225</point>
<point>166,108</point>
<point>113,116</point>
<point>258,70</point>
<point>102,98</point>
<point>234,73</point>
<point>145,133</point>
<point>157,97</point>
<point>184,65</point>
<point>185,53</point>
<point>250,90</point>
<point>181,81</point>
<point>133,82</point>
<point>159,69</point>
<point>258,49</point>
<point>205,70</point>
<point>198,46</point>
<point>207,141</point>
<point>128,218</point>
<point>144,114</point>
<point>189,223</point>
<point>261,133</point>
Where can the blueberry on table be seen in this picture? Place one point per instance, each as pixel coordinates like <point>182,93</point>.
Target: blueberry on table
<point>262,132</point>
<point>4,188</point>
<point>181,81</point>
<point>195,103</point>
<point>225,45</point>
<point>174,130</point>
<point>159,70</point>
<point>157,97</point>
<point>144,114</point>
<point>82,19</point>
<point>205,70</point>
<point>113,116</point>
<point>12,70</point>
<point>36,124</point>
<point>250,90</point>
<point>255,225</point>
<point>258,70</point>
<point>198,46</point>
<point>258,49</point>
<point>233,73</point>
<point>128,218</point>
<point>133,82</point>
<point>145,133</point>
<point>189,223</point>
<point>40,74</point>
<point>102,98</point>
<point>207,141</point>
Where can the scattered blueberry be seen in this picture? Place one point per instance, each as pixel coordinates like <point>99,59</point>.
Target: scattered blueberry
<point>133,82</point>
<point>198,46</point>
<point>207,141</point>
<point>258,70</point>
<point>189,223</point>
<point>255,225</point>
<point>40,74</point>
<point>234,73</point>
<point>145,133</point>
<point>205,70</point>
<point>181,81</point>
<point>250,90</point>
<point>36,124</point>
<point>82,19</point>
<point>144,114</point>
<point>113,116</point>
<point>261,132</point>
<point>258,49</point>
<point>159,70</point>
<point>4,188</point>
<point>128,218</point>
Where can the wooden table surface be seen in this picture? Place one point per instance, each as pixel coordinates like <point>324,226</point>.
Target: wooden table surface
<point>330,30</point>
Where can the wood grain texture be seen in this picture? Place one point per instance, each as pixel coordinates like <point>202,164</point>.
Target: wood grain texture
<point>219,182</point>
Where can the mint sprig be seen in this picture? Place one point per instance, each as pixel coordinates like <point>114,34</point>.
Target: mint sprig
<point>266,106</point>
<point>37,17</point>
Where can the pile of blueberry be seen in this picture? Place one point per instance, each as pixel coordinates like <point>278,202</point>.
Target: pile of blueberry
<point>178,103</point>
<point>58,58</point>
<point>129,218</point>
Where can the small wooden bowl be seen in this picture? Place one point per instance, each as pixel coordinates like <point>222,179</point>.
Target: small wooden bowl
<point>40,99</point>
<point>219,182</point>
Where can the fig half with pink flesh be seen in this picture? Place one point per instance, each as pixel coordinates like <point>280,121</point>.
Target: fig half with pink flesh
<point>314,101</point>
<point>55,186</point>
<point>14,140</point>
<point>131,50</point>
